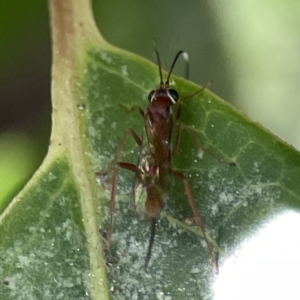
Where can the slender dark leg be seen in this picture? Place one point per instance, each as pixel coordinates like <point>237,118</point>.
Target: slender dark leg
<point>200,145</point>
<point>116,166</point>
<point>151,242</point>
<point>133,108</point>
<point>197,216</point>
<point>178,114</point>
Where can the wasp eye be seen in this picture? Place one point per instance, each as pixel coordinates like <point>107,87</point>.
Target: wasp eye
<point>173,95</point>
<point>150,96</point>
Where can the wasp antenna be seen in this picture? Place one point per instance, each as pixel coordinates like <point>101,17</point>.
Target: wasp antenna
<point>159,68</point>
<point>172,67</point>
<point>187,64</point>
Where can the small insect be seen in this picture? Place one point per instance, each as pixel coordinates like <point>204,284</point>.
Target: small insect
<point>154,168</point>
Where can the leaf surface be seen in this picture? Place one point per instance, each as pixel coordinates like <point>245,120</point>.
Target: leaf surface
<point>50,240</point>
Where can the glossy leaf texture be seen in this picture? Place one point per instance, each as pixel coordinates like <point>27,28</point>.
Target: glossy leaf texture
<point>51,247</point>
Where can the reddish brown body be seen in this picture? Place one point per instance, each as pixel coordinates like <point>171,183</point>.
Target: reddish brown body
<point>156,160</point>
<point>154,167</point>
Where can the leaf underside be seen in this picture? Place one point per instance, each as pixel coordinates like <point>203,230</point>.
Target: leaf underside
<point>44,246</point>
<point>234,201</point>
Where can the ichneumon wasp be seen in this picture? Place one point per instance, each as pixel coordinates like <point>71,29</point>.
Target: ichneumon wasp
<point>154,168</point>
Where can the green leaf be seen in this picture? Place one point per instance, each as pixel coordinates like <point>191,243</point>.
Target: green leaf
<point>51,247</point>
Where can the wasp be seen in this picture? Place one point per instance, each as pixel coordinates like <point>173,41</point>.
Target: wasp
<point>154,168</point>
